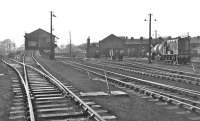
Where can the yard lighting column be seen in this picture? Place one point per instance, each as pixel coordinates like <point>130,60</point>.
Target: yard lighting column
<point>52,53</point>
<point>70,45</point>
<point>150,37</point>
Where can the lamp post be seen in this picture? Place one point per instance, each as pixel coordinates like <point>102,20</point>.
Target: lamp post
<point>150,15</point>
<point>52,53</point>
<point>70,45</point>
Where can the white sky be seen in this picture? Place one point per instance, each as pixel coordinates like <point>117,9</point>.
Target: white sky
<point>98,18</point>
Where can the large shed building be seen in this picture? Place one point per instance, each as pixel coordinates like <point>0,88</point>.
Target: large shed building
<point>128,46</point>
<point>111,44</point>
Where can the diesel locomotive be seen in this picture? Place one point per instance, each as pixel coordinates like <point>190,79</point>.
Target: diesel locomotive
<point>174,50</point>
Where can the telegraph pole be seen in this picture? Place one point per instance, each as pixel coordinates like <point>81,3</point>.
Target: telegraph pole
<point>150,38</point>
<point>70,45</point>
<point>52,55</point>
<point>52,52</point>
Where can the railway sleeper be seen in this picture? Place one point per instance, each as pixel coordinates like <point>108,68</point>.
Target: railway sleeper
<point>174,102</point>
<point>17,118</point>
<point>193,82</point>
<point>61,115</point>
<point>56,110</point>
<point>47,95</point>
<point>50,98</point>
<point>47,92</point>
<point>165,99</point>
<point>147,93</point>
<point>155,96</point>
<point>197,83</point>
<point>190,108</point>
<point>53,105</point>
<point>48,102</point>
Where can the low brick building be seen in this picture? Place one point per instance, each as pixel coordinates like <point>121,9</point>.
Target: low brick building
<point>38,39</point>
<point>94,50</point>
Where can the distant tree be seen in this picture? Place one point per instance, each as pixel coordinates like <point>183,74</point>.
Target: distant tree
<point>82,46</point>
<point>169,37</point>
<point>62,46</point>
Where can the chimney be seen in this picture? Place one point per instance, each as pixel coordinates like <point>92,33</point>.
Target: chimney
<point>88,46</point>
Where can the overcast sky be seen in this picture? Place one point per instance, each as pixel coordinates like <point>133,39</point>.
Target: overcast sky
<point>98,18</point>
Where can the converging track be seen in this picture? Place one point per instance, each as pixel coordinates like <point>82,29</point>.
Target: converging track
<point>172,95</point>
<point>40,97</point>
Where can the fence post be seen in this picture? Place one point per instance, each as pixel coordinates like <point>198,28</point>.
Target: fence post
<point>89,75</point>
<point>193,67</point>
<point>108,87</point>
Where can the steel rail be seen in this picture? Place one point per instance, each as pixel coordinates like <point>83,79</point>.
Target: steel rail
<point>149,92</point>
<point>130,69</point>
<point>150,73</point>
<point>142,80</point>
<point>168,97</point>
<point>165,69</point>
<point>67,91</point>
<point>130,62</point>
<point>154,71</point>
<point>180,98</point>
<point>168,73</point>
<point>30,105</point>
<point>25,74</point>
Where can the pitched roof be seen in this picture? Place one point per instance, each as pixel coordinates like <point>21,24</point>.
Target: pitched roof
<point>111,36</point>
<point>40,30</point>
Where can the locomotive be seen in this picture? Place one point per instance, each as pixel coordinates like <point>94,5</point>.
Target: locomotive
<point>174,50</point>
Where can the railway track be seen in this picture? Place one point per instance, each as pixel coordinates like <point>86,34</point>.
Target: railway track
<point>171,71</point>
<point>39,97</point>
<point>146,70</point>
<point>19,107</point>
<point>166,77</point>
<point>153,72</point>
<point>184,98</point>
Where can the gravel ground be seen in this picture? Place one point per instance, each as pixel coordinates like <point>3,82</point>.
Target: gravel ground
<point>131,108</point>
<point>5,92</point>
<point>167,82</point>
<point>163,81</point>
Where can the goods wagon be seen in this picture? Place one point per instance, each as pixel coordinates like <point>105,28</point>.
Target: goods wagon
<point>176,50</point>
